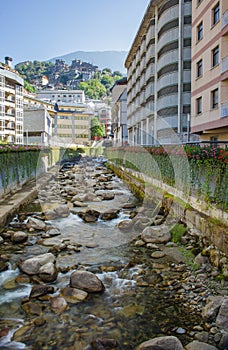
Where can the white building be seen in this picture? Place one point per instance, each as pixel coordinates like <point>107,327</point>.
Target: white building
<point>159,73</point>
<point>11,104</point>
<point>62,96</point>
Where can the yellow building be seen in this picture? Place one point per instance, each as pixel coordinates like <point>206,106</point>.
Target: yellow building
<point>209,98</point>
<point>72,125</point>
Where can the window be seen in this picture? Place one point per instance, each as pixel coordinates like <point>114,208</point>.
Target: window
<point>199,68</point>
<point>200,31</point>
<point>215,56</point>
<point>214,99</point>
<point>216,14</point>
<point>199,105</point>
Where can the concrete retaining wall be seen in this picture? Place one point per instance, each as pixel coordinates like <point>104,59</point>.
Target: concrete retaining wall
<point>211,222</point>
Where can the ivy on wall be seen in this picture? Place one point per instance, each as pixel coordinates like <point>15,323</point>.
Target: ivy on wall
<point>195,170</point>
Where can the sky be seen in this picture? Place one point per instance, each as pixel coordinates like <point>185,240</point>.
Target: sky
<point>43,29</point>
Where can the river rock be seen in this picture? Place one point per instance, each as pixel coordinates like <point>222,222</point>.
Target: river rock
<point>50,214</point>
<point>53,232</point>
<point>211,309</point>
<point>58,304</point>
<point>105,195</point>
<point>104,344</point>
<point>156,234</point>
<point>79,204</point>
<point>35,224</point>
<point>222,318</point>
<point>86,281</point>
<point>125,225</point>
<point>40,290</point>
<point>32,266</point>
<point>223,344</point>
<point>32,308</point>
<point>157,254</point>
<point>19,237</point>
<point>62,211</point>
<point>89,215</point>
<point>73,295</point>
<point>163,343</point>
<point>110,214</point>
<point>48,272</point>
<point>198,345</point>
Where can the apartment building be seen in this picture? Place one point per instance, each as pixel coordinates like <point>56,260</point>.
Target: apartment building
<point>159,74</point>
<point>210,69</point>
<point>71,125</point>
<point>11,104</point>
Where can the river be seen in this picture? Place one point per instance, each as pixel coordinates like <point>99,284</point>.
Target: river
<point>135,305</point>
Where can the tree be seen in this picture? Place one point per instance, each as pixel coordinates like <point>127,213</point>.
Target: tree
<point>97,129</point>
<point>93,88</point>
<point>28,87</point>
<point>107,71</point>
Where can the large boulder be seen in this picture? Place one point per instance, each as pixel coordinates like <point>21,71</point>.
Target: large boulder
<point>211,308</point>
<point>110,214</point>
<point>32,266</point>
<point>198,345</point>
<point>40,290</point>
<point>105,194</point>
<point>125,225</point>
<point>73,295</point>
<point>50,214</point>
<point>156,234</point>
<point>48,272</point>
<point>35,224</point>
<point>89,215</point>
<point>19,237</point>
<point>62,211</point>
<point>162,343</point>
<point>58,304</point>
<point>222,318</point>
<point>86,281</point>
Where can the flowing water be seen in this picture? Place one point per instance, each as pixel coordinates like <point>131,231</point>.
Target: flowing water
<point>127,311</point>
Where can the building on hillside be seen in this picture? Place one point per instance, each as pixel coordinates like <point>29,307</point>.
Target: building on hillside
<point>119,112</point>
<point>71,125</point>
<point>11,104</point>
<point>38,119</point>
<point>62,96</point>
<point>210,69</point>
<point>159,74</point>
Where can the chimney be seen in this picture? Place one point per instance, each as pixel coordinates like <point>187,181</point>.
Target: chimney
<point>8,61</point>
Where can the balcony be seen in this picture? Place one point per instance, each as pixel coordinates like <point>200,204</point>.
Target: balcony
<point>10,88</point>
<point>225,23</point>
<point>224,110</point>
<point>224,67</point>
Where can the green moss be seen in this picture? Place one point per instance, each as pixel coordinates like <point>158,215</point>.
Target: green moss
<point>177,232</point>
<point>189,256</point>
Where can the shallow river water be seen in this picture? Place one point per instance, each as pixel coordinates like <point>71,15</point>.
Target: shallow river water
<point>127,311</point>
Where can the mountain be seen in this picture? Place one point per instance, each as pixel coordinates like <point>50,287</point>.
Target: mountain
<point>103,59</point>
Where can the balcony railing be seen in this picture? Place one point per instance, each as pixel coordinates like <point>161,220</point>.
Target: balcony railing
<point>224,110</point>
<point>225,19</point>
<point>225,64</point>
